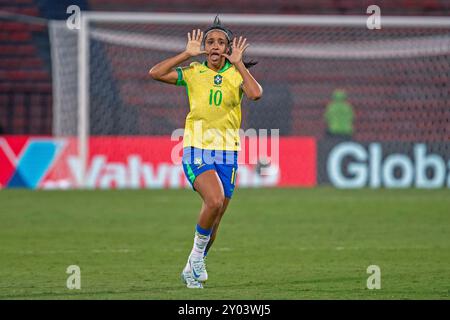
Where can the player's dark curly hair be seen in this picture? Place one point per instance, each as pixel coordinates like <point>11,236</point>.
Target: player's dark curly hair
<point>217,25</point>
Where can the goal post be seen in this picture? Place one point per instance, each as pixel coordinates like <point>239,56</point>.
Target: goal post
<point>301,43</point>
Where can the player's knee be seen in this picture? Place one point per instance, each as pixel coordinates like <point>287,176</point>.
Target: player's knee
<point>215,203</point>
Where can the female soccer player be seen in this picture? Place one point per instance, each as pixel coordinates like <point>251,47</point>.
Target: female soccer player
<point>211,138</point>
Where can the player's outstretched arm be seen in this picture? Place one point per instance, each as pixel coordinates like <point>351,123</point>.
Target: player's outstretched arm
<point>165,72</point>
<point>251,87</point>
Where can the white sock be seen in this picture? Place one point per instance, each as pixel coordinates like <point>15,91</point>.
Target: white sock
<point>200,243</point>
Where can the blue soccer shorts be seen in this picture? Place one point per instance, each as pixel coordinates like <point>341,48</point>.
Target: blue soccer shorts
<point>225,163</point>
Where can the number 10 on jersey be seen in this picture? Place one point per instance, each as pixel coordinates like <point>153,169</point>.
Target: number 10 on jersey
<point>215,97</point>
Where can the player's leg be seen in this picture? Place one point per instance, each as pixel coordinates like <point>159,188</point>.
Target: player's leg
<point>203,178</point>
<point>208,185</point>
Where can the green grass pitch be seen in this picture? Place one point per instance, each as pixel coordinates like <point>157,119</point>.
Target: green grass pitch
<point>273,244</point>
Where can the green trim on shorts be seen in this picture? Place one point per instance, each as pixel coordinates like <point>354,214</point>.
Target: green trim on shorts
<point>190,173</point>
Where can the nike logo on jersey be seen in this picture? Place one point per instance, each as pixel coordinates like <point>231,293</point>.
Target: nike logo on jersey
<point>203,71</point>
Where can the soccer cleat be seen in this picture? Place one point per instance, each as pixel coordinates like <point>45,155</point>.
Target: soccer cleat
<point>189,281</point>
<point>198,269</point>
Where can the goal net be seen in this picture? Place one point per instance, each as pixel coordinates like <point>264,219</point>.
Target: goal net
<point>395,79</point>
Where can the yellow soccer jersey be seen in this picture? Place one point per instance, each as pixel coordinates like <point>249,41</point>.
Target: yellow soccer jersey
<point>215,98</point>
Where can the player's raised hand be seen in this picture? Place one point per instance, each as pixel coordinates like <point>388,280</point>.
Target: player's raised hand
<point>193,47</point>
<point>238,49</point>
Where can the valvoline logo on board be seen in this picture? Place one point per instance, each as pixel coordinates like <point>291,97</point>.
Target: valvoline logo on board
<point>118,162</point>
<point>25,161</point>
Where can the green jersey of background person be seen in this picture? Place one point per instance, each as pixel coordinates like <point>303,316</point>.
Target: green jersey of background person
<point>339,115</point>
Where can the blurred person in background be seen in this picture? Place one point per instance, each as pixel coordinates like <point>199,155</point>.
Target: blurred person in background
<point>339,116</point>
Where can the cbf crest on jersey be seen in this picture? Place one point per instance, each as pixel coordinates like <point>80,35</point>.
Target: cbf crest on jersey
<point>218,80</point>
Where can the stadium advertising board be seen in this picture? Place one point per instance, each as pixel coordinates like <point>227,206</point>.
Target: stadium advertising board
<point>154,162</point>
<point>351,164</point>
<point>138,162</point>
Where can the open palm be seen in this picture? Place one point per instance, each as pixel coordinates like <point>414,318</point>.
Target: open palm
<point>193,47</point>
<point>237,50</point>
